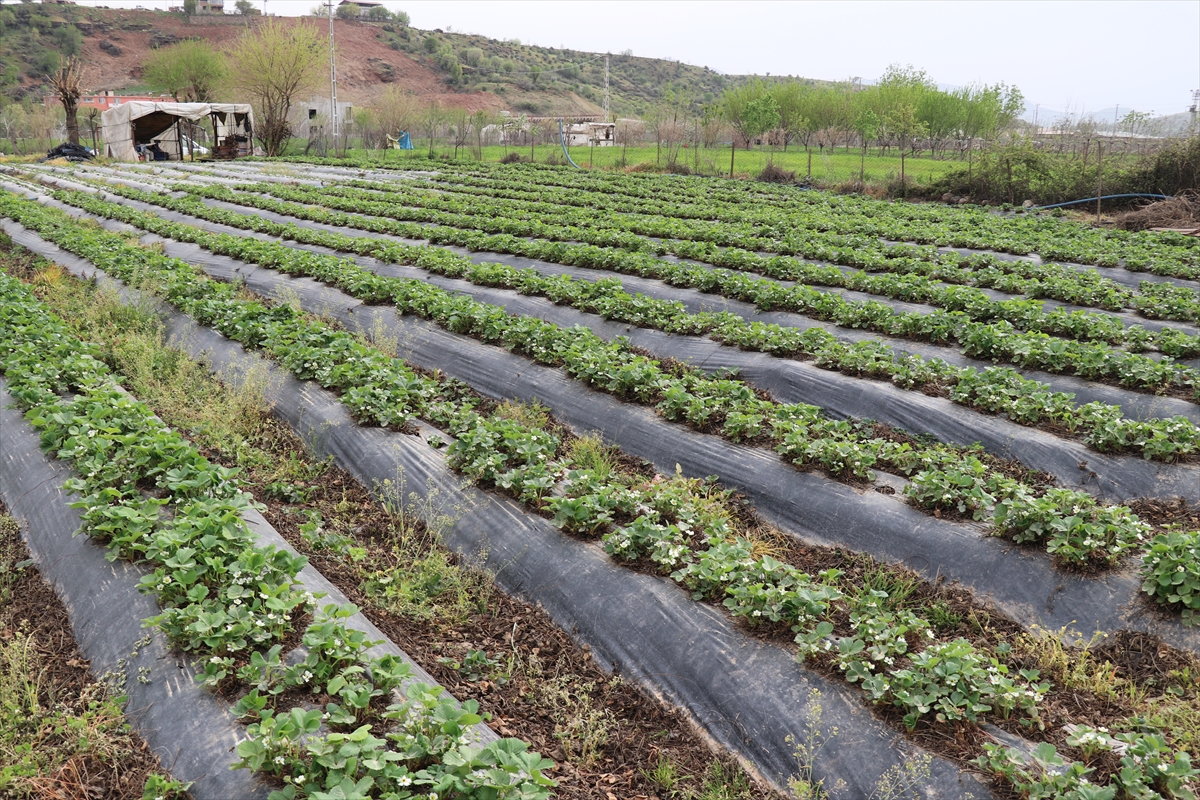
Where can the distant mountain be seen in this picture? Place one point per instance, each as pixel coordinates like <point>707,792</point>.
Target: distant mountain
<point>1167,125</point>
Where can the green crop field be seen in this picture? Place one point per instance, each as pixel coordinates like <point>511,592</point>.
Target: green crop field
<point>801,465</point>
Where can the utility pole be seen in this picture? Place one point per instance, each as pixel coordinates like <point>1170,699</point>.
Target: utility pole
<point>606,88</point>
<point>1195,106</point>
<point>333,112</point>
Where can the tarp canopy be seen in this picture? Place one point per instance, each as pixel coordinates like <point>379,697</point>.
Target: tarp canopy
<point>139,123</point>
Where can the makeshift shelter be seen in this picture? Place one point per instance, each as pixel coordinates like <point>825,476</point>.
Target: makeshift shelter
<point>130,129</point>
<point>401,142</point>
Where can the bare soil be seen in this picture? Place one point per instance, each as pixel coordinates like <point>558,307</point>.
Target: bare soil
<point>360,54</point>
<point>641,730</point>
<point>116,764</point>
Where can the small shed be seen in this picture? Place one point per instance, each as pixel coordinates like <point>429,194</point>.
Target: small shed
<point>591,134</point>
<point>131,127</point>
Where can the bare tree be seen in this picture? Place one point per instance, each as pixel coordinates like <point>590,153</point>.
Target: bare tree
<point>93,120</point>
<point>480,120</point>
<point>397,110</point>
<point>13,119</point>
<point>629,130</point>
<point>535,130</point>
<point>432,120</point>
<point>67,84</point>
<point>460,127</point>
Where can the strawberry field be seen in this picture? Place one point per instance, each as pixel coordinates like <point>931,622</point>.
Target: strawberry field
<point>917,482</point>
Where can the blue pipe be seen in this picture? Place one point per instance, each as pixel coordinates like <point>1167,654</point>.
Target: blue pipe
<point>1106,197</point>
<point>563,141</point>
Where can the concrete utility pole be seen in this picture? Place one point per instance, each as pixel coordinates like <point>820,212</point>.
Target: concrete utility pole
<point>1195,106</point>
<point>606,87</point>
<point>332,80</point>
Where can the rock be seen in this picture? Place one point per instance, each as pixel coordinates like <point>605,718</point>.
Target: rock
<point>1027,204</point>
<point>163,39</point>
<point>384,71</point>
<point>110,48</point>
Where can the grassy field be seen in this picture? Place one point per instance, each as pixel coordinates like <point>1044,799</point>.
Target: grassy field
<point>828,168</point>
<point>833,167</point>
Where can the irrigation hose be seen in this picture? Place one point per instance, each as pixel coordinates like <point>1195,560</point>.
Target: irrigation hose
<point>563,141</point>
<point>1104,197</point>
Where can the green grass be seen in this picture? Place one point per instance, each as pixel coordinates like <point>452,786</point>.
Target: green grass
<point>830,167</point>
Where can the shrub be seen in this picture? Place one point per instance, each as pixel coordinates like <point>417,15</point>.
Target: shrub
<point>1017,171</point>
<point>774,174</point>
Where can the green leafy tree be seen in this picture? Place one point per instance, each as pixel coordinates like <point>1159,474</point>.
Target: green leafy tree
<point>902,121</point>
<point>46,63</point>
<point>987,110</point>
<point>69,40</point>
<point>189,71</point>
<point>348,11</point>
<point>817,112</point>
<point>790,97</point>
<point>943,114</point>
<point>271,65</point>
<point>866,125</point>
<point>752,111</point>
<point>163,74</point>
<point>244,7</point>
<point>1134,122</point>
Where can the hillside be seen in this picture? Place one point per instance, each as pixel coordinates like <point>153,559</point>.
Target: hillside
<point>455,69</point>
<point>538,80</point>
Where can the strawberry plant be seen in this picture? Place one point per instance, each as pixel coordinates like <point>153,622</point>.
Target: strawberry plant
<point>1171,572</point>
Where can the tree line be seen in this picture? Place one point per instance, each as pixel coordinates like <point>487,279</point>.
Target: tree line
<point>904,110</point>
<point>275,64</point>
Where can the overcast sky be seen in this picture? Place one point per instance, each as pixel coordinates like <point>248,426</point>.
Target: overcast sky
<point>1077,56</point>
